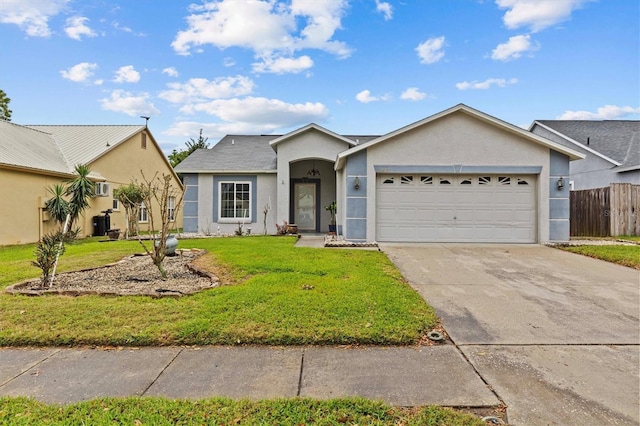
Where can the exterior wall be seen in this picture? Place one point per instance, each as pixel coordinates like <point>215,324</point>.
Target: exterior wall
<point>308,145</point>
<point>201,204</point>
<point>21,216</point>
<point>356,200</point>
<point>558,198</point>
<point>124,163</point>
<point>593,171</point>
<point>460,140</point>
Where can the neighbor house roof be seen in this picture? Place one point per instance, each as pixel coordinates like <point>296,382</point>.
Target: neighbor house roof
<point>617,141</point>
<point>571,153</point>
<point>82,144</point>
<point>233,154</point>
<point>26,148</point>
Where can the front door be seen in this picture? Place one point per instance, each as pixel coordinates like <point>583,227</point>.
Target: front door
<point>304,206</point>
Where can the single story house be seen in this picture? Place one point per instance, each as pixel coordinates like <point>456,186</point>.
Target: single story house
<point>34,158</point>
<point>611,149</point>
<point>457,176</point>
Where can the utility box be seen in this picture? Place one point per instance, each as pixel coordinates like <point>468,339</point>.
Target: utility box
<point>99,226</point>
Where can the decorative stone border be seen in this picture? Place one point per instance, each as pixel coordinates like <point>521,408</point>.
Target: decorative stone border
<point>18,289</point>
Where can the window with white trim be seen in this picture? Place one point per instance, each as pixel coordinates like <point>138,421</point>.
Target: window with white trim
<point>171,208</point>
<point>143,214</point>
<point>234,200</point>
<point>115,204</point>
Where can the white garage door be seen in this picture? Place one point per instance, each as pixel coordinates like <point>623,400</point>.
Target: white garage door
<point>459,208</point>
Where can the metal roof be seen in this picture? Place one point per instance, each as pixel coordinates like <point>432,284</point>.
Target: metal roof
<point>618,140</point>
<point>28,148</point>
<point>82,144</point>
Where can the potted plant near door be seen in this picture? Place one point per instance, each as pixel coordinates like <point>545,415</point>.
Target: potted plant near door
<point>332,209</point>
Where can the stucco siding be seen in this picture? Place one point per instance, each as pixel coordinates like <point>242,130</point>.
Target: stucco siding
<point>21,207</point>
<point>459,139</point>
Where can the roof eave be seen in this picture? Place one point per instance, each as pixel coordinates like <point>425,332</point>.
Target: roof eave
<point>227,172</point>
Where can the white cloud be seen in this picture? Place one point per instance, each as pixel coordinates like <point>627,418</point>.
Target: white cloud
<point>76,27</point>
<point>32,16</point>
<point>385,8</point>
<point>130,104</point>
<point>171,72</point>
<point>514,48</point>
<point>537,14</point>
<point>268,27</point>
<point>431,50</point>
<point>607,112</point>
<point>413,94</point>
<point>263,112</point>
<point>283,65</point>
<point>127,74</point>
<point>365,97</point>
<point>197,90</point>
<point>80,73</point>
<point>228,62</point>
<point>484,85</point>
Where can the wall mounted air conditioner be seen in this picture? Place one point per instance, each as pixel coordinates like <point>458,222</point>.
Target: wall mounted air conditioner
<point>102,189</point>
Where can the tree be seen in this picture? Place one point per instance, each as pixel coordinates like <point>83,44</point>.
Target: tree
<point>5,112</point>
<point>159,190</point>
<point>176,157</point>
<point>131,196</point>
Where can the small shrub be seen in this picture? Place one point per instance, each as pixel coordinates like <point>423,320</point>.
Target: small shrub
<point>48,249</point>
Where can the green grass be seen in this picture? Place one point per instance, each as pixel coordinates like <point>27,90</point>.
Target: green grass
<point>623,255</point>
<point>218,411</point>
<point>358,297</point>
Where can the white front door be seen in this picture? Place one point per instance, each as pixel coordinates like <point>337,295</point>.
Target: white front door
<point>304,209</point>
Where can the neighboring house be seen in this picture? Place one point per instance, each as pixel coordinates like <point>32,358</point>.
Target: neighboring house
<point>611,149</point>
<point>457,176</point>
<point>34,158</point>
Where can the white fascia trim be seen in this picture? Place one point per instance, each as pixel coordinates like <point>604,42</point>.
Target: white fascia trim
<point>568,139</point>
<point>282,138</point>
<point>626,169</point>
<point>573,155</point>
<point>228,172</point>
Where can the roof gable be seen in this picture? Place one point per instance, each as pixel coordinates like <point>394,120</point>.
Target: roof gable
<point>83,144</point>
<point>616,141</point>
<point>461,108</point>
<point>308,127</point>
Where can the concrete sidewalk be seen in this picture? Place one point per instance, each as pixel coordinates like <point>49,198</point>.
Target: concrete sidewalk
<point>402,376</point>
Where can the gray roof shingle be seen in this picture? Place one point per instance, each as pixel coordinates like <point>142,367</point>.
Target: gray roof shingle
<point>233,153</point>
<point>617,139</point>
<point>240,153</point>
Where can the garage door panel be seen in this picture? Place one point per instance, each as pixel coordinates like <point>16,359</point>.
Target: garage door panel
<point>479,210</point>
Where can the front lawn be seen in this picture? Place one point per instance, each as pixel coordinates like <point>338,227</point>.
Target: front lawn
<point>219,411</point>
<point>626,255</point>
<point>277,295</point>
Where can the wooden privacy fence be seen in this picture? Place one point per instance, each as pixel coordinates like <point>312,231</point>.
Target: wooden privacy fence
<point>606,212</point>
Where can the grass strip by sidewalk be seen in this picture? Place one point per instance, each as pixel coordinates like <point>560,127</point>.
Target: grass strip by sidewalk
<point>356,297</point>
<point>620,254</point>
<point>218,411</point>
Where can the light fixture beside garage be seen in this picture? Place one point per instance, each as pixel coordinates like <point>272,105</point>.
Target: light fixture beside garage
<point>560,183</point>
<point>356,183</point>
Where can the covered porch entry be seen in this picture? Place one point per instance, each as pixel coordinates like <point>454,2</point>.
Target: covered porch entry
<point>312,187</point>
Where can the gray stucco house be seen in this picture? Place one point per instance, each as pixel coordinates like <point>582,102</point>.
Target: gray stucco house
<point>457,176</point>
<point>611,149</point>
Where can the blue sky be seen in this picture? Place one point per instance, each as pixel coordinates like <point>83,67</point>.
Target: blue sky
<point>354,67</point>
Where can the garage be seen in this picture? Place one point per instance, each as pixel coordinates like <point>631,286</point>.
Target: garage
<point>456,208</point>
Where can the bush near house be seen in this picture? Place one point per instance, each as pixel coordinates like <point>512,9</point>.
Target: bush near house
<point>278,294</point>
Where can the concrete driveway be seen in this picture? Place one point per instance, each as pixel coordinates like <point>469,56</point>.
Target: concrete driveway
<point>556,335</point>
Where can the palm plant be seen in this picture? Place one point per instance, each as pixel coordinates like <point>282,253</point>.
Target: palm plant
<point>57,206</point>
<point>81,188</point>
